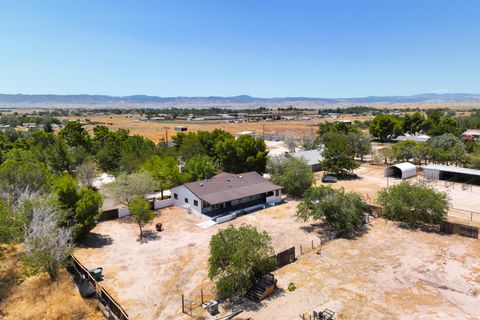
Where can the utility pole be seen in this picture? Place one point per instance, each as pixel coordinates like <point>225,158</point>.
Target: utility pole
<point>166,134</point>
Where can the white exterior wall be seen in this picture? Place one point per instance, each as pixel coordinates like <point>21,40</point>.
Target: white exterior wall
<point>159,204</point>
<point>183,192</point>
<point>123,212</point>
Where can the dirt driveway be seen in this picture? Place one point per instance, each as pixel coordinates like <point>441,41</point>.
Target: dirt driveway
<point>148,277</point>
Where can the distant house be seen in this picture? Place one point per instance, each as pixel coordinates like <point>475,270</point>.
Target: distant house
<point>471,135</point>
<point>226,193</point>
<point>180,128</point>
<point>312,157</point>
<point>416,138</point>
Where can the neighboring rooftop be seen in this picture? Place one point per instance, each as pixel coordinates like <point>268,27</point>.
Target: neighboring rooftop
<point>474,132</point>
<point>313,157</point>
<point>228,186</point>
<point>416,138</point>
<point>473,172</point>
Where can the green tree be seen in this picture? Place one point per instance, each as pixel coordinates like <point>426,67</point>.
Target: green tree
<point>340,210</point>
<point>200,167</point>
<point>445,148</point>
<point>87,209</point>
<point>10,226</point>
<point>21,175</point>
<point>128,186</point>
<point>338,154</point>
<point>404,150</point>
<point>414,204</point>
<point>135,150</point>
<point>237,256</point>
<point>86,173</point>
<point>360,144</point>
<point>75,135</point>
<point>140,209</point>
<point>413,123</point>
<point>384,127</point>
<point>58,157</point>
<point>65,186</point>
<point>164,170</point>
<point>446,125</point>
<point>295,175</point>
<point>243,154</point>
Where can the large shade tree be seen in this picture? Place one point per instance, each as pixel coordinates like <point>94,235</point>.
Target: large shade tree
<point>237,256</point>
<point>338,153</point>
<point>340,210</point>
<point>414,204</point>
<point>295,175</point>
<point>243,154</point>
<point>128,186</point>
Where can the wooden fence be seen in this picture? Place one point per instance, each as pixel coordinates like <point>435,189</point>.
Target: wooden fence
<point>104,298</point>
<point>285,257</point>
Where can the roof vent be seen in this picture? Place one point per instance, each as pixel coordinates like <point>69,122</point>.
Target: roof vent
<point>201,184</point>
<point>240,177</point>
<point>228,180</point>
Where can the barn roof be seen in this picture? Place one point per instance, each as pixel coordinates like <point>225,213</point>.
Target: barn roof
<point>461,170</point>
<point>407,170</point>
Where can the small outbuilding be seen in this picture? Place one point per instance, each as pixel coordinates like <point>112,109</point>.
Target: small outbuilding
<point>403,170</point>
<point>180,128</point>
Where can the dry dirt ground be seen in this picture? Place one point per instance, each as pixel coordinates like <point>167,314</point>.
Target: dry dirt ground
<point>156,130</point>
<point>149,277</point>
<point>36,297</point>
<point>387,273</point>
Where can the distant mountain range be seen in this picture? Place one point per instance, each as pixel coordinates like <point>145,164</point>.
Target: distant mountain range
<point>136,101</point>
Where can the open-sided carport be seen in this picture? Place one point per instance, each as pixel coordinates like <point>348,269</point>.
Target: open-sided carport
<point>403,170</point>
<point>450,173</point>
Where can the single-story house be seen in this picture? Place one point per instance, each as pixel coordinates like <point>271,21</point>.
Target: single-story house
<point>313,157</point>
<point>226,192</point>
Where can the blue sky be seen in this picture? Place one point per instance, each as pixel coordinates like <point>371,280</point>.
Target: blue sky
<point>261,48</point>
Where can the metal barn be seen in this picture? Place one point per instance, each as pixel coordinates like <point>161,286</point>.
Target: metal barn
<point>403,170</point>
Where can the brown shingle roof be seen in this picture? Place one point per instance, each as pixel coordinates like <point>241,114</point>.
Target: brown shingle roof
<point>228,186</point>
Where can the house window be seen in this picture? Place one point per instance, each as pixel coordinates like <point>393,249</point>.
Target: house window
<point>195,203</point>
<point>175,196</point>
<point>186,200</point>
<point>277,192</point>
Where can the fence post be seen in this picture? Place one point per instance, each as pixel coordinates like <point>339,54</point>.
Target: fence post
<point>301,252</point>
<point>312,243</point>
<point>201,294</point>
<point>183,304</point>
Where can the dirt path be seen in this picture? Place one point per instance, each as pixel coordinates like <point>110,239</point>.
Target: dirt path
<point>388,273</point>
